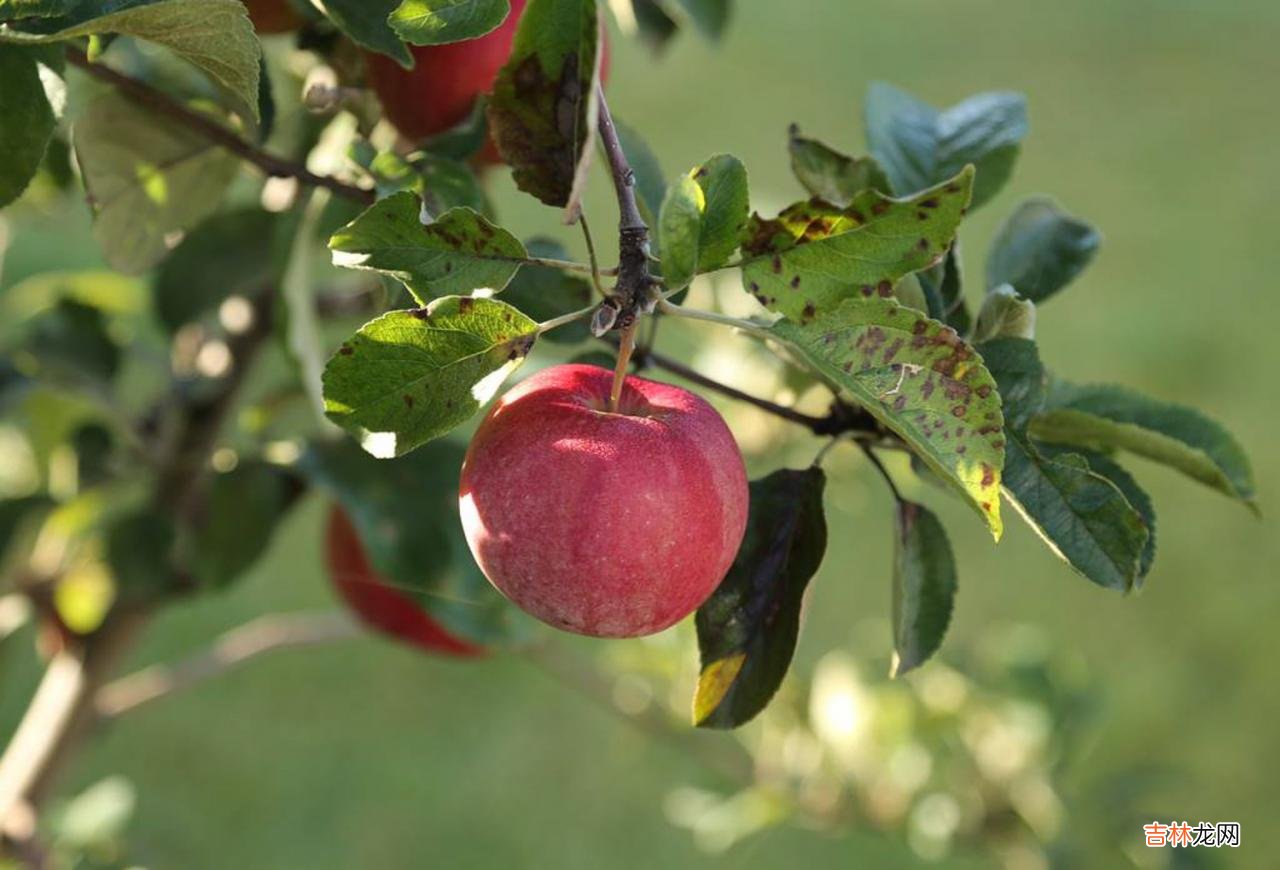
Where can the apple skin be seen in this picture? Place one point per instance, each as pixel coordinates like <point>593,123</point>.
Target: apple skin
<point>603,524</point>
<point>272,17</point>
<point>441,89</point>
<point>378,604</point>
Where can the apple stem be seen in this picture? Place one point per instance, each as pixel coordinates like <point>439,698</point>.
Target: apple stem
<point>625,347</point>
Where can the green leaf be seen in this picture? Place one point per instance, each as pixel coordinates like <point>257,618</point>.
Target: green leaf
<point>410,376</point>
<point>710,17</point>
<point>366,23</point>
<point>1105,417</point>
<point>924,587</point>
<point>1005,314</point>
<point>813,255</point>
<point>412,534</point>
<point>747,629</point>
<point>919,146</point>
<point>827,173</point>
<point>1040,249</point>
<point>215,36</point>
<point>543,111</point>
<point>543,293</point>
<point>238,519</point>
<point>919,379</point>
<point>26,120</point>
<point>1083,517</point>
<point>1137,497</point>
<point>139,550</point>
<point>229,254</point>
<point>943,285</point>
<point>650,182</point>
<point>70,340</point>
<point>146,177</point>
<point>436,22</point>
<point>647,19</point>
<point>458,252</point>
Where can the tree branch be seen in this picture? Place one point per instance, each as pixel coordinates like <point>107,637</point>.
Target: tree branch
<point>263,635</point>
<point>632,293</point>
<point>271,164</point>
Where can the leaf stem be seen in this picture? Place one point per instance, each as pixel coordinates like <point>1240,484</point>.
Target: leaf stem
<point>553,323</point>
<point>594,268</point>
<point>884,472</point>
<point>566,266</point>
<point>826,448</point>
<point>625,346</point>
<point>711,317</point>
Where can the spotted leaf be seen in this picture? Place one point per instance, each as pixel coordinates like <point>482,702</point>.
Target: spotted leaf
<point>814,255</point>
<point>410,376</point>
<point>827,173</point>
<point>458,252</point>
<point>747,629</point>
<point>920,380</point>
<point>543,111</point>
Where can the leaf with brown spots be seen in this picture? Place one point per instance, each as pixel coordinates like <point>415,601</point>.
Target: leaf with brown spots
<point>458,252</point>
<point>920,380</point>
<point>813,255</point>
<point>827,173</point>
<point>410,376</point>
<point>543,111</point>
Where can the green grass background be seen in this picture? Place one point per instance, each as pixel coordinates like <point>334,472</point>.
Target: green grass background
<point>1156,119</point>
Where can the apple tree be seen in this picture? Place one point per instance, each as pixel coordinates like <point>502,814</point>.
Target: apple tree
<point>310,288</point>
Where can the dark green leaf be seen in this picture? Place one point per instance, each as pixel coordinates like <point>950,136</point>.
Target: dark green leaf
<point>747,629</point>
<point>919,379</point>
<point>1137,497</point>
<point>70,339</point>
<point>436,22</point>
<point>26,120</point>
<point>943,285</point>
<point>366,23</point>
<point>543,110</point>
<point>243,508</point>
<point>710,17</point>
<point>1105,417</point>
<point>543,293</point>
<point>813,256</point>
<point>464,139</point>
<point>411,376</point>
<point>146,176</point>
<point>655,26</point>
<point>458,252</point>
<point>412,533</point>
<point>1040,249</point>
<point>139,550</point>
<point>1083,517</point>
<point>231,253</point>
<point>703,217</point>
<point>827,173</point>
<point>924,587</point>
<point>215,36</point>
<point>919,146</point>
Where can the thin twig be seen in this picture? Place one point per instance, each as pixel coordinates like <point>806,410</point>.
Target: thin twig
<point>884,472</point>
<point>633,291</point>
<point>591,255</point>
<point>263,635</point>
<point>271,164</point>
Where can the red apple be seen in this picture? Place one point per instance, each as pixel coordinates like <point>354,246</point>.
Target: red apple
<point>441,89</point>
<point>605,524</point>
<point>273,16</point>
<point>379,604</point>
